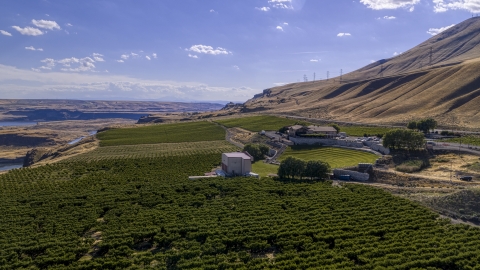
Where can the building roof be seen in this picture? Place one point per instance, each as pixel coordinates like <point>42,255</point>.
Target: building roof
<point>322,129</point>
<point>237,155</point>
<point>295,127</point>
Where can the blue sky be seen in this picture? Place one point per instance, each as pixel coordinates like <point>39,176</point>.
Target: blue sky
<point>202,50</point>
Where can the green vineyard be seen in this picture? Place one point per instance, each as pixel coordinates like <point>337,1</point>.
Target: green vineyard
<point>157,150</point>
<point>166,133</point>
<point>336,157</point>
<point>133,207</point>
<point>258,123</point>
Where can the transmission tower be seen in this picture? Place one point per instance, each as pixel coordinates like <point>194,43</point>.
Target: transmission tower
<point>305,79</point>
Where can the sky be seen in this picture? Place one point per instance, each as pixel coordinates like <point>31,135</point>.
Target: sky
<point>202,50</point>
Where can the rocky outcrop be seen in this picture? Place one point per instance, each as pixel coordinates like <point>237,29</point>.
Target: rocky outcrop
<point>25,140</point>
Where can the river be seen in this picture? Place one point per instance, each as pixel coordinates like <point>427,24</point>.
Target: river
<point>83,137</point>
<point>16,124</point>
<point>10,166</point>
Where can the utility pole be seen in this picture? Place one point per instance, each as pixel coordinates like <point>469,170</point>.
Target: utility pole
<point>314,76</point>
<point>341,74</point>
<point>328,75</point>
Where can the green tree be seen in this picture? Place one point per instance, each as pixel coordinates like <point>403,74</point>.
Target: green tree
<point>426,125</point>
<point>404,139</point>
<point>291,167</point>
<point>412,125</point>
<point>257,151</point>
<point>317,169</point>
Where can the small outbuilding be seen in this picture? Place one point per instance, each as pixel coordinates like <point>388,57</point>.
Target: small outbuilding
<point>237,163</point>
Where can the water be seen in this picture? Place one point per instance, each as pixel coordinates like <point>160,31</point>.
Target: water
<point>10,166</point>
<point>16,124</point>
<point>83,137</point>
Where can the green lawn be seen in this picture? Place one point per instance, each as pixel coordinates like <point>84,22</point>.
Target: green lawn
<point>336,157</point>
<point>359,131</point>
<point>167,133</point>
<point>264,169</point>
<point>258,123</point>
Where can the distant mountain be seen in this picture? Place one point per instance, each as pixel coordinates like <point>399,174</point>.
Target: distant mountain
<point>438,78</point>
<point>53,109</point>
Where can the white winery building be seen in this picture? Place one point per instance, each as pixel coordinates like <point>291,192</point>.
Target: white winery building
<point>236,163</point>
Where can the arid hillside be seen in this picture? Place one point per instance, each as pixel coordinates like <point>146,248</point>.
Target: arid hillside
<point>438,78</point>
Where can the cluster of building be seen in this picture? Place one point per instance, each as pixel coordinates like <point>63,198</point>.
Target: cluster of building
<point>327,131</point>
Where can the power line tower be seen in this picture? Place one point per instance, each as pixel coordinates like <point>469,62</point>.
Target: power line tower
<point>341,74</point>
<point>305,79</point>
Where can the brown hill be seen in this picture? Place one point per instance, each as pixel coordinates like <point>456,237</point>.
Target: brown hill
<point>438,78</point>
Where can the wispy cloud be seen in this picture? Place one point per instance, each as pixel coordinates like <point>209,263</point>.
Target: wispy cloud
<point>5,33</point>
<point>279,28</point>
<point>28,31</point>
<point>236,67</point>
<point>265,9</point>
<point>343,34</point>
<point>282,4</point>
<point>105,86</point>
<point>192,56</point>
<point>444,5</point>
<point>208,50</point>
<point>436,31</point>
<point>98,57</point>
<point>124,56</point>
<point>387,18</point>
<point>50,25</point>
<point>120,61</point>
<point>154,55</point>
<point>315,60</point>
<point>148,58</point>
<point>72,64</point>
<point>389,4</point>
<point>31,48</point>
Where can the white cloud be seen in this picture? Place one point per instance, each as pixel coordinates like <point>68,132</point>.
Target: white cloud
<point>208,50</point>
<point>69,24</point>
<point>50,25</point>
<point>263,8</point>
<point>236,67</point>
<point>285,23</point>
<point>49,63</point>
<point>5,33</point>
<point>397,53</point>
<point>192,56</point>
<point>154,55</point>
<point>98,57</point>
<point>124,56</point>
<point>212,11</point>
<point>388,17</point>
<point>148,57</point>
<point>469,5</point>
<point>343,34</point>
<point>315,60</point>
<point>412,8</point>
<point>35,84</point>
<point>133,54</point>
<point>282,4</point>
<point>279,28</point>
<point>28,31</point>
<point>389,4</point>
<point>31,48</point>
<point>436,31</point>
<point>79,64</point>
<point>120,61</point>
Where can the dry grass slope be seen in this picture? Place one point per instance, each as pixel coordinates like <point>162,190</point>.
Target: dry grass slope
<point>399,89</point>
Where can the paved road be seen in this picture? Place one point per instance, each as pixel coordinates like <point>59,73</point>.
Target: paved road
<point>475,150</point>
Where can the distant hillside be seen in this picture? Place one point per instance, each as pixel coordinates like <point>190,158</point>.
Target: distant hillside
<point>52,110</point>
<point>438,78</point>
